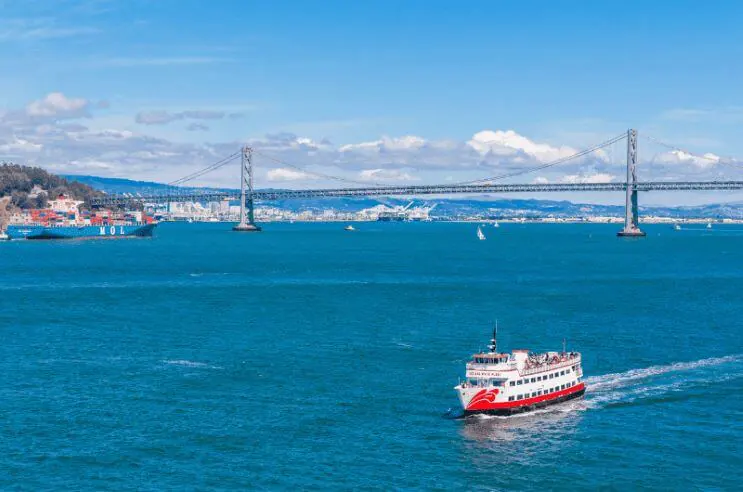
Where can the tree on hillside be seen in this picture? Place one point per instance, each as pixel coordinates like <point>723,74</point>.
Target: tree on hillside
<point>18,182</point>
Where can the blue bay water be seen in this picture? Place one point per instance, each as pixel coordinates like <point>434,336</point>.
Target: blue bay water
<point>310,357</point>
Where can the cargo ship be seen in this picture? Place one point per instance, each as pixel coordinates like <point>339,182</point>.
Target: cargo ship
<point>504,384</point>
<point>63,220</point>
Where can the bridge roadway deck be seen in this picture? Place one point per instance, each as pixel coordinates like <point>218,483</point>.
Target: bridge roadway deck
<point>420,190</point>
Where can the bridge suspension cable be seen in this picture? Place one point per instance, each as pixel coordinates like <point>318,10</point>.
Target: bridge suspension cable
<point>561,160</point>
<point>316,174</point>
<point>204,171</point>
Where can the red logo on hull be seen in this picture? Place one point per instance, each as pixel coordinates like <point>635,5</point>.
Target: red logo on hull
<point>482,400</point>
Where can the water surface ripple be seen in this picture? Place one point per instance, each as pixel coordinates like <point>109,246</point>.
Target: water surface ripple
<point>308,357</point>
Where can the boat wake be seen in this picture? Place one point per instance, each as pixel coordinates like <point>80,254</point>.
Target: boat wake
<point>659,381</point>
<point>189,363</point>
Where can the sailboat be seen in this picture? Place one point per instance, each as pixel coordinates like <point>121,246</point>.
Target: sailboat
<point>709,225</point>
<point>480,234</point>
<point>496,224</point>
<point>677,227</point>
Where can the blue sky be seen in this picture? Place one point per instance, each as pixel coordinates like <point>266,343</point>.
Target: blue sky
<point>337,86</point>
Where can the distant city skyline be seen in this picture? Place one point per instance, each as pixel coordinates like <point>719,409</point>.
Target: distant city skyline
<point>389,92</point>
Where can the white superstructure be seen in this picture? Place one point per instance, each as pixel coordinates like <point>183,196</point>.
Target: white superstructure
<point>503,383</point>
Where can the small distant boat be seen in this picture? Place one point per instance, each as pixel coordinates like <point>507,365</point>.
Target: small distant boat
<point>349,228</point>
<point>496,224</point>
<point>480,234</point>
<point>709,225</point>
<point>676,227</point>
<point>4,237</point>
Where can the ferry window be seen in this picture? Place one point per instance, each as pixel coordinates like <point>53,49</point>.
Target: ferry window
<point>562,386</point>
<point>474,382</point>
<point>539,393</point>
<point>534,394</point>
<point>512,383</point>
<point>562,373</point>
<point>551,376</point>
<point>533,380</point>
<point>510,398</point>
<point>520,381</point>
<point>521,397</point>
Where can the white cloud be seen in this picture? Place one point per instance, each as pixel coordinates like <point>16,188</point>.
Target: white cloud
<point>43,134</point>
<point>197,127</point>
<point>589,178</point>
<point>89,165</point>
<point>284,174</point>
<point>39,29</point>
<point>510,143</point>
<point>19,145</point>
<point>385,175</point>
<point>728,114</point>
<point>160,117</point>
<point>58,105</point>
<point>408,142</point>
<point>676,157</point>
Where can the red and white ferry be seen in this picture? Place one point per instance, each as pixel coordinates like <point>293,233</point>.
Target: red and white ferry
<point>503,384</point>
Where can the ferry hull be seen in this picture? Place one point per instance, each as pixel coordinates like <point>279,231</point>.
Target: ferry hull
<point>528,407</point>
<point>16,231</point>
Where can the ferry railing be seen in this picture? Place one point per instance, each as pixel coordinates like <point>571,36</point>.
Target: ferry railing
<point>549,367</point>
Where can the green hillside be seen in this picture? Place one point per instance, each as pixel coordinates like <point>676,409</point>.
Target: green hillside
<point>22,185</point>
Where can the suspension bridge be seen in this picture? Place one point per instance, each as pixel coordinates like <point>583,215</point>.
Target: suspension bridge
<point>248,195</point>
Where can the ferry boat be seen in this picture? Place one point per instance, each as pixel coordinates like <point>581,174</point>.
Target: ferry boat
<point>504,384</point>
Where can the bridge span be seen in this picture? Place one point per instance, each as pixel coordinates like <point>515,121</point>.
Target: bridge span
<point>264,195</point>
<point>248,194</point>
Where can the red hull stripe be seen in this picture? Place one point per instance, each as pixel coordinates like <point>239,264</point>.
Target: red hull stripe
<point>483,404</point>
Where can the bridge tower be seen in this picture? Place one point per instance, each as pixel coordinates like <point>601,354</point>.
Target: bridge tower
<point>247,222</point>
<point>631,214</point>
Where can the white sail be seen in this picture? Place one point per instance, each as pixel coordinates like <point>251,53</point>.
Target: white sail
<point>480,234</point>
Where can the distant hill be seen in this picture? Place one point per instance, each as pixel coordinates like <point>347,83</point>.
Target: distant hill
<point>448,207</point>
